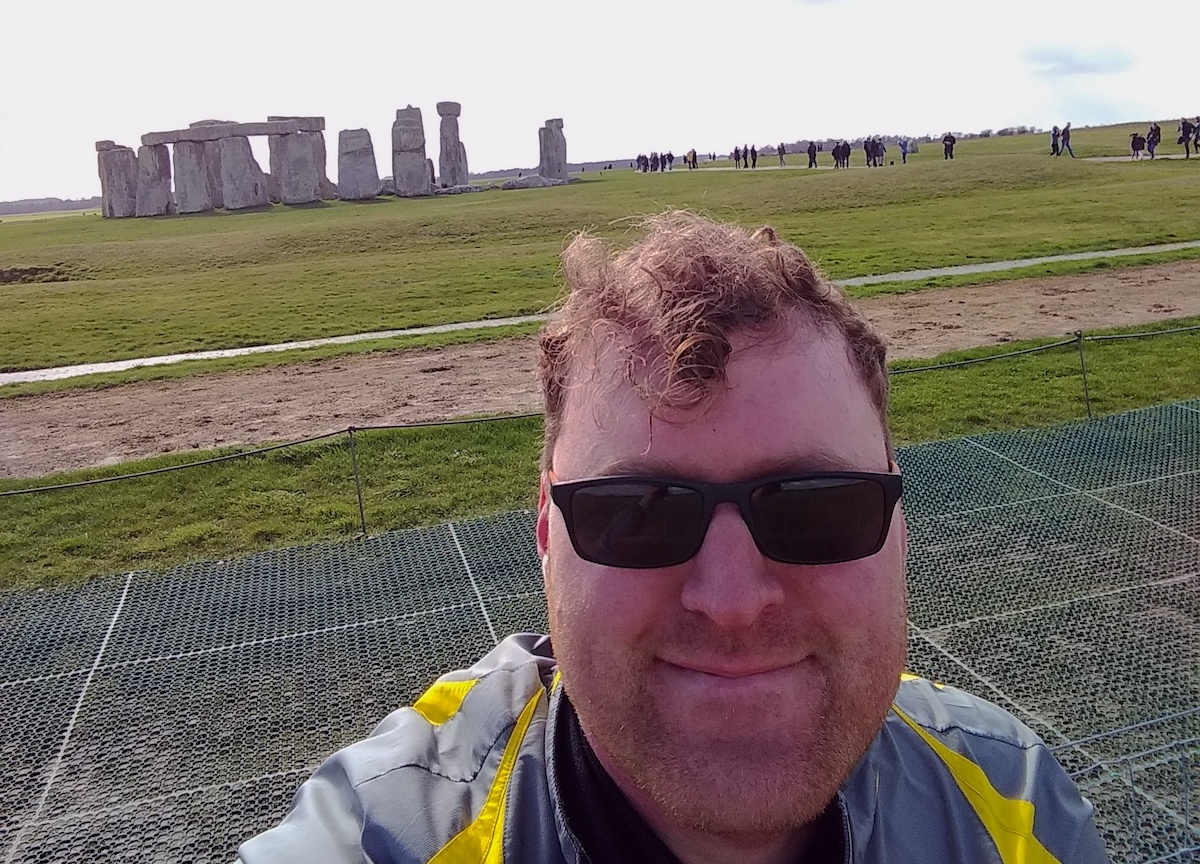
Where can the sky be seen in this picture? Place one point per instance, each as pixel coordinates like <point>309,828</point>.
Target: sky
<point>626,77</point>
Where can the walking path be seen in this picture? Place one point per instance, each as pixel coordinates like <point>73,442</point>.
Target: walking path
<point>61,372</point>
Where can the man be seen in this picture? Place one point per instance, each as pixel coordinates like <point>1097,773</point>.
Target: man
<point>1065,147</point>
<point>737,157</point>
<point>903,151</point>
<point>754,157</point>
<point>782,152</point>
<point>1054,135</point>
<point>723,555</point>
<point>812,154</point>
<point>948,143</point>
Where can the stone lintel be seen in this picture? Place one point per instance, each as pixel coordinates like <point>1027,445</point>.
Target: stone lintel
<point>212,133</point>
<point>306,124</point>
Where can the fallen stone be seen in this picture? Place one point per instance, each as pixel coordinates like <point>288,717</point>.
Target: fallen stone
<point>457,190</point>
<point>358,173</point>
<point>118,182</point>
<point>192,194</point>
<point>154,181</point>
<point>408,154</point>
<point>243,183</point>
<point>389,186</point>
<point>533,181</point>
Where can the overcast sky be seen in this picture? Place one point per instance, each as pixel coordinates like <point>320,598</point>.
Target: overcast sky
<point>625,76</point>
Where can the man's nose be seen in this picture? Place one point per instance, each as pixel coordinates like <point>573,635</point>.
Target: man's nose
<point>730,581</point>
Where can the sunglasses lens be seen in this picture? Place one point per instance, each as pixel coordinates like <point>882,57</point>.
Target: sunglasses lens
<point>819,520</point>
<point>636,525</point>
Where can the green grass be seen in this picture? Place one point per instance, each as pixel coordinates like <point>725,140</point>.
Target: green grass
<point>427,475</point>
<point>174,284</point>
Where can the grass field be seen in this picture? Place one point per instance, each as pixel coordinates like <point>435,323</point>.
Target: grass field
<point>423,476</point>
<point>141,287</point>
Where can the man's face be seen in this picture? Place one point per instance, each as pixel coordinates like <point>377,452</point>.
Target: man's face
<point>733,692</point>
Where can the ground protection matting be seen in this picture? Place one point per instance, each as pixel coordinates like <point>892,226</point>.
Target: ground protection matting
<point>167,717</point>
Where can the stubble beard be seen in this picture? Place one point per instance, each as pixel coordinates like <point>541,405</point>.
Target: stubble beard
<point>743,780</point>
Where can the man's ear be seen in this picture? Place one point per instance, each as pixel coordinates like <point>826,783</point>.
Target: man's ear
<point>542,531</point>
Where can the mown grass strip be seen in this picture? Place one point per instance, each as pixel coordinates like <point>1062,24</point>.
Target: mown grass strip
<point>422,476</point>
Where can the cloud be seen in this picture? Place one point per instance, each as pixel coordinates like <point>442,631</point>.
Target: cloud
<point>1055,62</point>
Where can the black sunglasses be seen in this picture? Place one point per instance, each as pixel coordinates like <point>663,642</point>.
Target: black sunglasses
<point>644,522</point>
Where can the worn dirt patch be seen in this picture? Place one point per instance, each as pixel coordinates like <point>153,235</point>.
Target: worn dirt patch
<point>83,428</point>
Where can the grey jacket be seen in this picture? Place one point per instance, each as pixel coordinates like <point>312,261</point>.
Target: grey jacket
<point>466,776</point>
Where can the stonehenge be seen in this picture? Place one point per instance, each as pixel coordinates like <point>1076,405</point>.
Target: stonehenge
<point>552,151</point>
<point>358,174</point>
<point>118,180</point>
<point>154,181</point>
<point>451,152</point>
<point>409,171</point>
<point>214,167</point>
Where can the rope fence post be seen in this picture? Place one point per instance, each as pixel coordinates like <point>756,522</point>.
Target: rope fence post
<point>1087,399</point>
<point>362,513</point>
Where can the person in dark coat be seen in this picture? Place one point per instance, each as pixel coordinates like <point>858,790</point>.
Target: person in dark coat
<point>753,157</point>
<point>812,154</point>
<point>1066,141</point>
<point>1054,134</point>
<point>737,157</point>
<point>948,143</point>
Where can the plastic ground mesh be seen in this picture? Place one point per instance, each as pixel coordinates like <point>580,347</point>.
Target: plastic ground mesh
<point>166,717</point>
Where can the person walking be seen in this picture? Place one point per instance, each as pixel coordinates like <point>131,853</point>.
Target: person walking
<point>1054,136</point>
<point>782,153</point>
<point>753,157</point>
<point>1153,136</point>
<point>737,157</point>
<point>948,143</point>
<point>1137,142</point>
<point>903,151</point>
<point>1066,141</point>
<point>812,154</point>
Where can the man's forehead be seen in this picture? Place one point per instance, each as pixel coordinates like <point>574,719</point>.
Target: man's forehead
<point>769,415</point>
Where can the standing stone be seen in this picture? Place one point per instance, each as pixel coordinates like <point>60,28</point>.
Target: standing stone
<point>552,145</point>
<point>358,175</point>
<point>408,154</point>
<point>432,172</point>
<point>243,183</point>
<point>462,163</point>
<point>118,182</point>
<point>450,154</point>
<point>328,191</point>
<point>212,164</point>
<point>299,182</point>
<point>154,181</point>
<point>191,177</point>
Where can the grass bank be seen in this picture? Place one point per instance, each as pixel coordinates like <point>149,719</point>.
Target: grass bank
<point>422,476</point>
<point>115,289</point>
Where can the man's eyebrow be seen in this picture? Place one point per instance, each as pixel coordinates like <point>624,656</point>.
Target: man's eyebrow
<point>779,466</point>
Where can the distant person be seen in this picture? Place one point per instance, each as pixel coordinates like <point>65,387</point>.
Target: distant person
<point>1066,141</point>
<point>737,157</point>
<point>1186,131</point>
<point>1153,137</point>
<point>670,161</point>
<point>1054,137</point>
<point>1196,139</point>
<point>903,151</point>
<point>948,143</point>
<point>782,153</point>
<point>812,154</point>
<point>753,157</point>
<point>1137,143</point>
<point>653,162</point>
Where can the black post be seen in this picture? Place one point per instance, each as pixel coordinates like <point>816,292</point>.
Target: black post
<point>1083,370</point>
<point>362,514</point>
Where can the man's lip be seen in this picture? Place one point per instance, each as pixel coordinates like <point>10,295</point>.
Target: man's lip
<point>725,669</point>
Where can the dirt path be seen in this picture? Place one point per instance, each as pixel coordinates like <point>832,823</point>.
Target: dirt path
<point>76,429</point>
